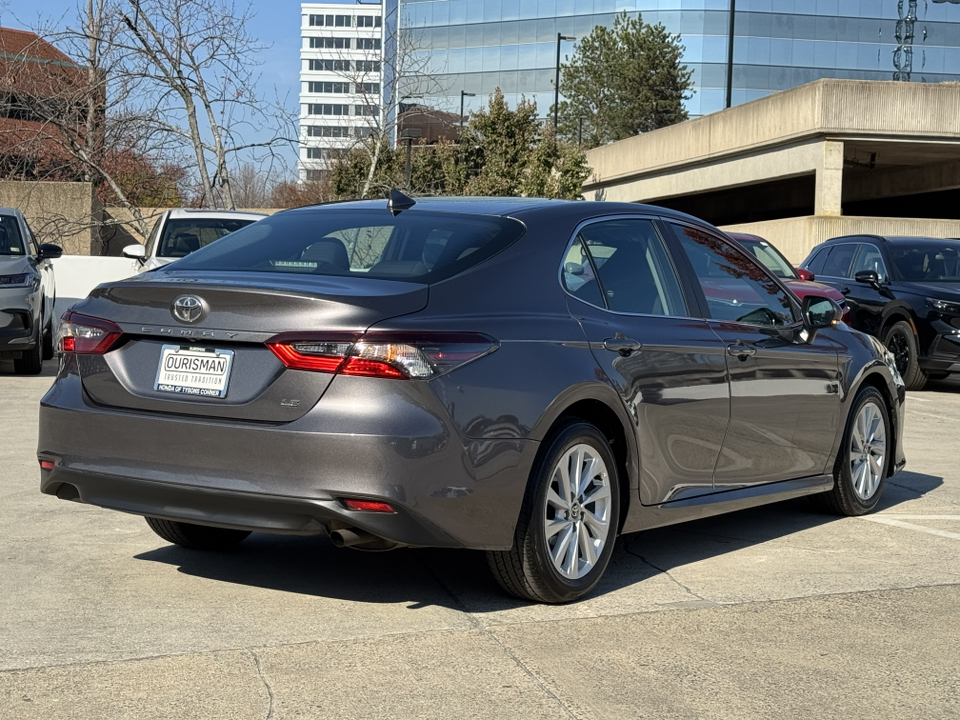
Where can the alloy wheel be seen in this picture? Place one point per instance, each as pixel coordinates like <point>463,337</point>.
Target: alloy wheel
<point>577,514</point>
<point>868,451</point>
<point>897,344</point>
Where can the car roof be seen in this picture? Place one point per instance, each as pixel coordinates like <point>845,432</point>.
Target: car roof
<point>10,211</point>
<point>222,214</point>
<point>891,239</point>
<point>509,206</point>
<point>747,237</point>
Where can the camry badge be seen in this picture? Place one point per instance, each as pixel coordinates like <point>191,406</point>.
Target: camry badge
<point>188,308</point>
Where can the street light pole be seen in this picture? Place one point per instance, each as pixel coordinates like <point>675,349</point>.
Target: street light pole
<point>556,82</point>
<point>463,94</point>
<point>730,36</point>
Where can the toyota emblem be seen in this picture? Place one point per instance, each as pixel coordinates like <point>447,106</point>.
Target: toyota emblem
<point>188,308</point>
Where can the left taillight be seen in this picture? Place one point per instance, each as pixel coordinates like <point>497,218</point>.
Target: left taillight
<point>400,356</point>
<point>86,335</point>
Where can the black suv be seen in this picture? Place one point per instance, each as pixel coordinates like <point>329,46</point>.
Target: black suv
<point>903,290</point>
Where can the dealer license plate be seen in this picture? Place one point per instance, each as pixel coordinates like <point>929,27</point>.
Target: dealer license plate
<point>194,371</point>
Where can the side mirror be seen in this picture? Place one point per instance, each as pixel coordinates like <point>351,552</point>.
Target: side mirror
<point>49,251</point>
<point>805,274</point>
<point>820,312</point>
<point>134,252</point>
<point>868,277</point>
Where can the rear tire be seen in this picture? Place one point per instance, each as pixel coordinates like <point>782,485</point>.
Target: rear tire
<point>568,522</point>
<point>30,361</point>
<point>863,462</point>
<point>901,341</point>
<point>196,537</point>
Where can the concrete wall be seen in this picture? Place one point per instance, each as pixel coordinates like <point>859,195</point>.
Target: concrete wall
<point>58,212</point>
<point>796,237</point>
<point>860,108</point>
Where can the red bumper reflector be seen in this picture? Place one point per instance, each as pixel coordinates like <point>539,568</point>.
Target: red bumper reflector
<point>46,465</point>
<point>368,506</point>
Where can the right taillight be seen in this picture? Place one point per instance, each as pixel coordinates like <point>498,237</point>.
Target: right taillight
<point>401,356</point>
<point>86,335</point>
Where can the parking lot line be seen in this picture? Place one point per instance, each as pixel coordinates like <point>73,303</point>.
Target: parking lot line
<point>898,522</point>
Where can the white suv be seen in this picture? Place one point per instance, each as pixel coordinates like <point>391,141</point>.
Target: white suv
<point>180,231</point>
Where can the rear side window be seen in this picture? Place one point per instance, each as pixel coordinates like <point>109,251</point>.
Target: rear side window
<point>11,243</point>
<point>624,266</point>
<point>421,246</point>
<point>183,236</point>
<point>837,262</point>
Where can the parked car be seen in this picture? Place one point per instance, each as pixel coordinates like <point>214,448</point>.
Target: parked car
<point>27,294</point>
<point>180,231</point>
<point>799,280</point>
<point>526,377</point>
<point>903,290</point>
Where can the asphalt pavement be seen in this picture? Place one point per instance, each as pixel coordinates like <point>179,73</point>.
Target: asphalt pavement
<point>778,612</point>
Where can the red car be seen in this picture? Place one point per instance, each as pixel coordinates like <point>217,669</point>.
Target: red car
<point>800,281</point>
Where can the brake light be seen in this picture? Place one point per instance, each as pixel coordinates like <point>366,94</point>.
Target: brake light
<point>86,335</point>
<point>400,356</point>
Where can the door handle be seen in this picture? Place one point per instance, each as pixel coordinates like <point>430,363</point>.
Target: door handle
<point>741,350</point>
<point>845,290</point>
<point>622,345</point>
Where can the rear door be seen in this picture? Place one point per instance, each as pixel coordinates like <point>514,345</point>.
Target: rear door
<point>668,367</point>
<point>785,399</point>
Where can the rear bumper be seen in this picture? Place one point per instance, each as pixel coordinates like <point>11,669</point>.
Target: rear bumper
<point>366,439</point>
<point>244,511</point>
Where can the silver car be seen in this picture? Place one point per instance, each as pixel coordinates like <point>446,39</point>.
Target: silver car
<point>27,294</point>
<point>180,231</point>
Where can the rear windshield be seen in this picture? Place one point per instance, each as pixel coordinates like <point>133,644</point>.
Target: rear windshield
<point>415,245</point>
<point>183,236</point>
<point>928,262</point>
<point>10,241</point>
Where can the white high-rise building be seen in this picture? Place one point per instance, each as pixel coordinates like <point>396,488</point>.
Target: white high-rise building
<point>340,80</point>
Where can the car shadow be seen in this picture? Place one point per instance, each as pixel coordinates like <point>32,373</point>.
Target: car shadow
<point>460,580</point>
<point>50,368</point>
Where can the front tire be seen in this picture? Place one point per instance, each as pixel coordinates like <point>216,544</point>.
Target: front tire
<point>568,521</point>
<point>196,537</point>
<point>48,341</point>
<point>901,341</point>
<point>860,472</point>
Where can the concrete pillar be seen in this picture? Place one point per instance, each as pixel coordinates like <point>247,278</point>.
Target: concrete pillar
<point>829,179</point>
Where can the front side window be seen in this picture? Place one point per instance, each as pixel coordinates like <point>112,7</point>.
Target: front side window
<point>870,258</point>
<point>838,260</point>
<point>735,287</point>
<point>418,246</point>
<point>623,265</point>
<point>11,242</point>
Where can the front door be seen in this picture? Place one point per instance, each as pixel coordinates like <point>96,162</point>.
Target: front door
<point>784,395</point>
<point>668,368</point>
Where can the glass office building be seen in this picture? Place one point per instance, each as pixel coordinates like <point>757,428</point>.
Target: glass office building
<point>475,47</point>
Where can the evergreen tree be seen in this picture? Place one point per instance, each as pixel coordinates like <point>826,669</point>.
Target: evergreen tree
<point>623,81</point>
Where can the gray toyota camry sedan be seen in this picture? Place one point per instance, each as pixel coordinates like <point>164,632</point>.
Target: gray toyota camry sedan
<point>530,378</point>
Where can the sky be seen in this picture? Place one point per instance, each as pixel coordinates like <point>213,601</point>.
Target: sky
<point>276,24</point>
